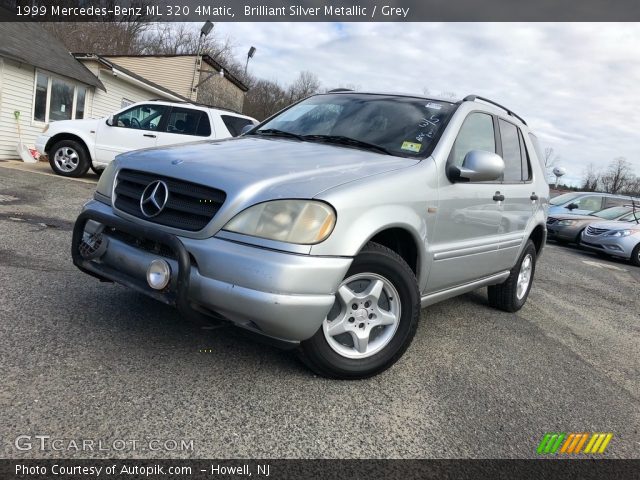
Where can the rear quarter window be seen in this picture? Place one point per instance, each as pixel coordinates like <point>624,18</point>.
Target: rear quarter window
<point>235,124</point>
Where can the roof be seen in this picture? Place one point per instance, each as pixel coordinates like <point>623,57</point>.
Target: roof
<point>114,66</point>
<point>30,44</point>
<point>206,58</point>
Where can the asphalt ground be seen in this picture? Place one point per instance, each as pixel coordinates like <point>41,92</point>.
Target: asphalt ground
<point>80,359</point>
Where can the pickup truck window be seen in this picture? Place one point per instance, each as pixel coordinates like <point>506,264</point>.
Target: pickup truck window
<point>396,125</point>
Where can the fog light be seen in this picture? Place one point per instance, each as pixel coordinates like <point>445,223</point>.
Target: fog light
<point>158,274</point>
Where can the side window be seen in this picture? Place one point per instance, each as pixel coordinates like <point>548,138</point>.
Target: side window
<point>185,121</point>
<point>235,124</point>
<point>511,152</point>
<point>476,133</point>
<point>526,164</point>
<point>141,117</point>
<point>614,202</point>
<point>590,203</point>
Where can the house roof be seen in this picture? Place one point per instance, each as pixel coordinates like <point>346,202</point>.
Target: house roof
<point>29,43</point>
<point>206,58</point>
<point>113,66</point>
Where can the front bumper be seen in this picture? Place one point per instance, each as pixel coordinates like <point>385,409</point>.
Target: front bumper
<point>41,143</point>
<point>616,246</point>
<point>281,295</point>
<point>567,233</point>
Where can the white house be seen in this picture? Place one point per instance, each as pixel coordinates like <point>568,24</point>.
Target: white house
<point>43,82</point>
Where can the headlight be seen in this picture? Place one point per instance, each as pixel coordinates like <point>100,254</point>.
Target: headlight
<point>105,184</point>
<point>566,223</point>
<point>621,233</point>
<point>304,222</point>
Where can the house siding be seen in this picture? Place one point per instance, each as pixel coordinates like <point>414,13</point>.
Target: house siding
<point>17,94</point>
<point>105,103</point>
<point>173,73</point>
<point>218,91</point>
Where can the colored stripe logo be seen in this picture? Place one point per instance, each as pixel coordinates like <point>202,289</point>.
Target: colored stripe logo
<point>573,443</point>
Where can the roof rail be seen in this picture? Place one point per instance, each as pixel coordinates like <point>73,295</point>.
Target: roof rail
<point>473,98</point>
<point>338,90</point>
<point>188,102</point>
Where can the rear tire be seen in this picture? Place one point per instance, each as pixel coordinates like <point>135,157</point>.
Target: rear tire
<point>512,294</point>
<point>69,158</point>
<point>360,342</point>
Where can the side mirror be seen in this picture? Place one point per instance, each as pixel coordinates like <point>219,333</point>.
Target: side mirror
<point>478,166</point>
<point>573,206</point>
<point>110,121</point>
<point>246,128</point>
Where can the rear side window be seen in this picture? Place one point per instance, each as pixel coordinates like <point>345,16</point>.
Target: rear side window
<point>185,121</point>
<point>614,202</point>
<point>526,165</point>
<point>511,153</point>
<point>476,133</point>
<point>235,124</point>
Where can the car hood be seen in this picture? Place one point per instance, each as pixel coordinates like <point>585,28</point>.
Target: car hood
<point>614,225</point>
<point>566,216</point>
<point>260,168</point>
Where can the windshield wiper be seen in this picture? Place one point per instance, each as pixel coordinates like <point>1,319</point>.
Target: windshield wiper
<point>279,133</point>
<point>342,140</point>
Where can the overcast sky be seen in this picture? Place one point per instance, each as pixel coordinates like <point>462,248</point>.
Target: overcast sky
<point>577,85</point>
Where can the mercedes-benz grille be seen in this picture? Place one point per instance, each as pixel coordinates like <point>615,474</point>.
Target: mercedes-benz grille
<point>189,206</point>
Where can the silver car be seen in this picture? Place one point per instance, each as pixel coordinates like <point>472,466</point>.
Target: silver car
<point>327,227</point>
<point>619,239</point>
<point>568,228</point>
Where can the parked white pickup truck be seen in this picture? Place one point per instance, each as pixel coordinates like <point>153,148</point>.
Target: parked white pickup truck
<point>74,146</point>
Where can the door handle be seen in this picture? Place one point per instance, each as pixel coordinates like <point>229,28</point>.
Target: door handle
<point>534,197</point>
<point>498,197</point>
<point>150,135</point>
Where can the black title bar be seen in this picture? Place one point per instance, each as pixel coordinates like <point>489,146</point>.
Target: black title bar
<point>318,10</point>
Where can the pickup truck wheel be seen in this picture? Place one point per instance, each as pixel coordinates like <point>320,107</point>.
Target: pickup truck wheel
<point>511,295</point>
<point>372,321</point>
<point>69,158</point>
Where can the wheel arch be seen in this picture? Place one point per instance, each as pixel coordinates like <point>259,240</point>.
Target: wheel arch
<point>68,136</point>
<point>539,237</point>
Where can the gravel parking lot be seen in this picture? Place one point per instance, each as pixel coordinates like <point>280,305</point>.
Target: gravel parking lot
<point>86,360</point>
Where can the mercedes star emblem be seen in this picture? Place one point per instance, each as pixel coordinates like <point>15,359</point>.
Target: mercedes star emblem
<point>154,198</point>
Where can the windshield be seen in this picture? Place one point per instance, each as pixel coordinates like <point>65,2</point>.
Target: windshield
<point>632,217</point>
<point>396,125</point>
<point>564,198</point>
<point>611,213</point>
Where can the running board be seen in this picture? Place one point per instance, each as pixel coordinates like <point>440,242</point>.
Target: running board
<point>467,287</point>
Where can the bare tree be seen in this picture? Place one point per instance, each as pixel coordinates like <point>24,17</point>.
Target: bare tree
<point>618,176</point>
<point>266,97</point>
<point>112,35</point>
<point>590,179</point>
<point>306,84</point>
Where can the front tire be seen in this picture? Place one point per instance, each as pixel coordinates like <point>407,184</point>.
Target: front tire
<point>635,256</point>
<point>512,294</point>
<point>373,320</point>
<point>69,158</point>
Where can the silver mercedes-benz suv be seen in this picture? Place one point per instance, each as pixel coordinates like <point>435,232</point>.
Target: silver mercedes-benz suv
<point>328,226</point>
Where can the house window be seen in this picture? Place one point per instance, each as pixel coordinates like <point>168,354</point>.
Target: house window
<point>57,99</point>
